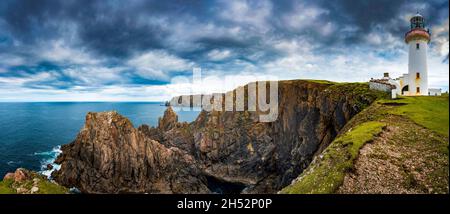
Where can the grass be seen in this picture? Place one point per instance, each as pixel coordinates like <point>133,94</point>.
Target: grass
<point>45,186</point>
<point>321,81</point>
<point>327,174</point>
<point>428,111</point>
<point>5,187</point>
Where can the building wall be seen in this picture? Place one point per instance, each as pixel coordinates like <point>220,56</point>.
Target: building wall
<point>417,64</point>
<point>434,92</point>
<point>383,87</point>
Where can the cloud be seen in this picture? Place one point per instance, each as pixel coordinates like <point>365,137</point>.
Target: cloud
<point>158,64</point>
<point>217,55</point>
<point>248,13</point>
<point>305,17</point>
<point>118,50</point>
<point>59,52</point>
<point>21,81</point>
<point>440,39</point>
<point>94,75</point>
<point>7,60</point>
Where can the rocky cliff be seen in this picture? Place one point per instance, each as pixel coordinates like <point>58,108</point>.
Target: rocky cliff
<point>221,151</point>
<point>110,156</point>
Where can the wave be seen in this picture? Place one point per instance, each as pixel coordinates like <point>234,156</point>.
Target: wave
<point>49,158</point>
<point>13,163</point>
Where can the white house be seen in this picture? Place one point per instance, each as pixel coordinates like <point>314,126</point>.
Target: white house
<point>434,92</point>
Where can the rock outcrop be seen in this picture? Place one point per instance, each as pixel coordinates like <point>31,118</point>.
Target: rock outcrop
<point>235,147</point>
<point>220,150</point>
<point>168,121</point>
<point>19,175</point>
<point>110,156</point>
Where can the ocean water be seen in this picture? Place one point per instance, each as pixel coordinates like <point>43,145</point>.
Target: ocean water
<point>31,133</point>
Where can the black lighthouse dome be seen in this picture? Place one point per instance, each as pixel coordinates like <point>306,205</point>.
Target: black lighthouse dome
<point>417,21</point>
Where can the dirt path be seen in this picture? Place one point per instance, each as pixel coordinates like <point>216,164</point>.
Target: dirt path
<point>405,158</point>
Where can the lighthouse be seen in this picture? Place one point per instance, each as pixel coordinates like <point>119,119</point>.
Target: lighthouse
<point>417,38</point>
<point>415,82</point>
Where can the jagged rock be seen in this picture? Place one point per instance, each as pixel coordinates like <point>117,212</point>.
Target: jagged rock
<point>34,190</point>
<point>9,175</point>
<point>20,175</point>
<point>235,147</point>
<point>171,133</point>
<point>21,190</point>
<point>169,120</point>
<point>35,181</point>
<point>110,156</point>
<point>49,167</point>
<point>218,149</point>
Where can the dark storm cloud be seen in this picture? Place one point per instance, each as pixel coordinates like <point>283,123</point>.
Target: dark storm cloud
<point>116,31</point>
<point>363,13</point>
<point>107,27</point>
<point>366,14</point>
<point>118,28</point>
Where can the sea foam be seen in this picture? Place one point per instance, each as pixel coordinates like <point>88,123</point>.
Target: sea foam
<point>49,157</point>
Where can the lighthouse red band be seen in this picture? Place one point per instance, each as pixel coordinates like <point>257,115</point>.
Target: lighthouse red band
<point>417,34</point>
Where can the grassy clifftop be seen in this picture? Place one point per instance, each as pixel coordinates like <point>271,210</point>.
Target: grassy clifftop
<point>28,182</point>
<point>393,146</point>
<point>327,174</point>
<point>430,112</point>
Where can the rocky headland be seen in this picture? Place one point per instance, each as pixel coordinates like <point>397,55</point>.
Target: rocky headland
<point>221,151</point>
<point>328,138</point>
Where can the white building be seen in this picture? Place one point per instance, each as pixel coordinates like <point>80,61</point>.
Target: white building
<point>434,92</point>
<point>415,82</point>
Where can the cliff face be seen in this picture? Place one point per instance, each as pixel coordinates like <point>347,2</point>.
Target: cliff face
<point>234,147</point>
<point>217,152</point>
<point>110,156</point>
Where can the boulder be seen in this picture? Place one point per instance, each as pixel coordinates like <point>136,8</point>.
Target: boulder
<point>49,166</point>
<point>36,181</point>
<point>34,189</point>
<point>21,190</point>
<point>20,175</point>
<point>9,175</point>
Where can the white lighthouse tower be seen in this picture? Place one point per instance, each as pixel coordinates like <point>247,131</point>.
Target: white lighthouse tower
<point>415,82</point>
<point>418,39</point>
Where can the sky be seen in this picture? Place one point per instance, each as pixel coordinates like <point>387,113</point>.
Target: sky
<point>84,50</point>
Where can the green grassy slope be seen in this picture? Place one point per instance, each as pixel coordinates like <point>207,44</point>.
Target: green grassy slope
<point>430,112</point>
<point>326,176</point>
<point>9,186</point>
<point>326,173</point>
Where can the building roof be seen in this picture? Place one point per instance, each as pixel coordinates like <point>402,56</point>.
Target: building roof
<point>384,82</point>
<point>418,15</point>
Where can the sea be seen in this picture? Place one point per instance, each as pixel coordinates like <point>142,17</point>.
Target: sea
<point>31,133</point>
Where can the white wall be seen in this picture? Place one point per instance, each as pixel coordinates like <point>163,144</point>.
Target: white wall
<point>434,92</point>
<point>418,64</point>
<point>383,87</point>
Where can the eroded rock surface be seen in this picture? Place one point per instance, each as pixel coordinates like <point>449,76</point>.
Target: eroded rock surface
<point>110,155</point>
<point>218,150</point>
